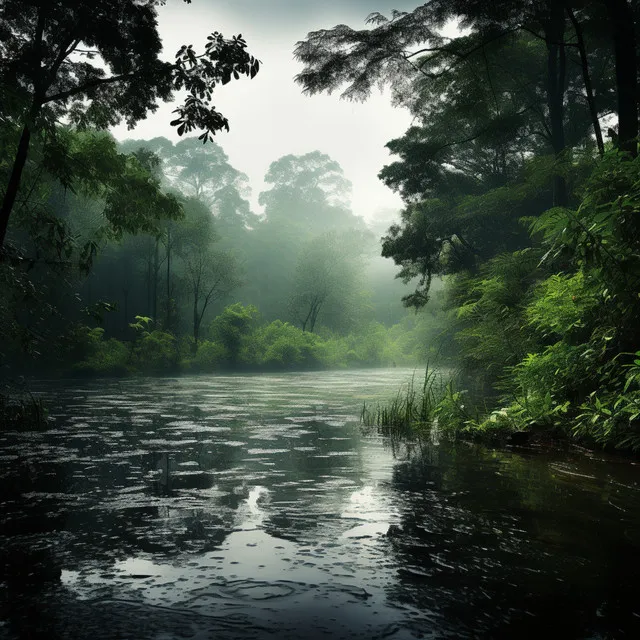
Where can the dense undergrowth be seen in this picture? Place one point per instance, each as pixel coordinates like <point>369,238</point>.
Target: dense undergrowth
<point>238,341</point>
<point>552,330</point>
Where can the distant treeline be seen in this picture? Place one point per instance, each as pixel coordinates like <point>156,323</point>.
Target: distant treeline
<point>123,269</point>
<point>239,340</point>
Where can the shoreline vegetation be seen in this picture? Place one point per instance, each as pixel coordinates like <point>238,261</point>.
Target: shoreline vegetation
<point>235,342</point>
<point>517,245</point>
<point>440,408</point>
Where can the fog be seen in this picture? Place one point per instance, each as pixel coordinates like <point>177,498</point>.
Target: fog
<point>279,364</point>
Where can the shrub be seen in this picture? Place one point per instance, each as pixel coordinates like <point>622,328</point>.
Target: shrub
<point>209,357</point>
<point>101,357</point>
<point>156,352</point>
<point>280,345</point>
<point>230,329</point>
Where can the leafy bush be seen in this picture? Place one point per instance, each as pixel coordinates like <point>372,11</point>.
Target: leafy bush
<point>100,357</point>
<point>612,415</point>
<point>156,352</point>
<point>230,329</point>
<point>209,357</point>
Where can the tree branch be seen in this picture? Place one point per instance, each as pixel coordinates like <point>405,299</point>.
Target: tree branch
<point>96,82</point>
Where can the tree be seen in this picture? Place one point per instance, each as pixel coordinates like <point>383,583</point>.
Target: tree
<point>407,46</point>
<point>309,192</point>
<point>201,171</point>
<point>328,281</point>
<point>48,73</point>
<point>466,191</point>
<point>231,327</point>
<point>308,196</point>
<point>210,274</point>
<point>204,172</point>
<point>234,217</point>
<point>61,231</point>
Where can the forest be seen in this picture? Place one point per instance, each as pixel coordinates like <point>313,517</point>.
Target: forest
<point>517,246</point>
<point>245,395</point>
<point>144,256</point>
<point>529,211</point>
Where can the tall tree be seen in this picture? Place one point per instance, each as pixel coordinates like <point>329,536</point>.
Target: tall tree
<point>477,120</point>
<point>200,171</point>
<point>408,46</point>
<point>209,273</point>
<point>309,192</point>
<point>97,62</point>
<point>328,282</point>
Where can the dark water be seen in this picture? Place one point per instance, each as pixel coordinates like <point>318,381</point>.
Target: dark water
<point>254,507</point>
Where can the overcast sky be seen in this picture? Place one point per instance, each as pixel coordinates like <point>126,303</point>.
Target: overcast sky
<point>269,116</point>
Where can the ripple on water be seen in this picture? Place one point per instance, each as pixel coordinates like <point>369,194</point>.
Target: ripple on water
<point>252,506</point>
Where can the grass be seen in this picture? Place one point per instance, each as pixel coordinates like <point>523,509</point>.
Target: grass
<point>411,410</point>
<point>22,412</point>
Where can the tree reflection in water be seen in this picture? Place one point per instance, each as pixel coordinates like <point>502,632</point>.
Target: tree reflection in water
<point>498,544</point>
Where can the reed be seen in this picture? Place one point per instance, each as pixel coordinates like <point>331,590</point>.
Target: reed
<point>22,412</point>
<point>413,409</point>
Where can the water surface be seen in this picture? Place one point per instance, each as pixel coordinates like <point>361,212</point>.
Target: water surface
<point>254,506</point>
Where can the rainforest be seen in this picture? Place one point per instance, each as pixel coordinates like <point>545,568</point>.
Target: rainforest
<point>356,352</point>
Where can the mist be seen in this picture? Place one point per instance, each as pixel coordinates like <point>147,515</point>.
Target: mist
<point>319,319</point>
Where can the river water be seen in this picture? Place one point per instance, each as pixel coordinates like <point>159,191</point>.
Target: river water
<point>255,507</point>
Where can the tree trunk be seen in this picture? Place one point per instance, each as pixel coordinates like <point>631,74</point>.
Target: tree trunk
<point>14,182</point>
<point>306,320</point>
<point>125,326</point>
<point>168,310</point>
<point>624,46</point>
<point>148,278</point>
<point>156,269</point>
<point>314,316</point>
<point>196,325</point>
<point>554,27</point>
<point>19,162</point>
<point>586,76</point>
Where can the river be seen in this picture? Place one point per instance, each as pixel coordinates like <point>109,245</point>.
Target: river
<point>253,506</point>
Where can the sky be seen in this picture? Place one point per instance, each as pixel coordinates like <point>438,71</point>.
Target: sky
<point>269,115</point>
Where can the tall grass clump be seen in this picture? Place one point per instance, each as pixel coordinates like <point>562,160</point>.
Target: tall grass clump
<point>411,410</point>
<point>22,412</point>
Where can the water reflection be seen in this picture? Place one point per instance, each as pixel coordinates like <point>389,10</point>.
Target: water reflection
<point>252,506</point>
<point>506,546</point>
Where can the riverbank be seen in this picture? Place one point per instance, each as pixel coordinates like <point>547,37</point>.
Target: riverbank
<point>439,407</point>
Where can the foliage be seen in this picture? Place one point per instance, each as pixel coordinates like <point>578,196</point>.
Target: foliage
<point>435,409</point>
<point>612,415</point>
<point>490,312</point>
<point>153,351</point>
<point>95,356</point>
<point>313,179</point>
<point>156,352</point>
<point>48,76</point>
<point>209,274</point>
<point>327,283</point>
<point>210,356</point>
<point>230,328</point>
<point>52,66</point>
<point>280,345</point>
<point>552,331</point>
<point>581,378</point>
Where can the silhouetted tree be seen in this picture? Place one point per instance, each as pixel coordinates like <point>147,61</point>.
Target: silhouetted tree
<point>97,62</point>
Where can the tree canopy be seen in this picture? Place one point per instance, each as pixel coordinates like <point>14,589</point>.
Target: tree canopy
<point>95,64</point>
